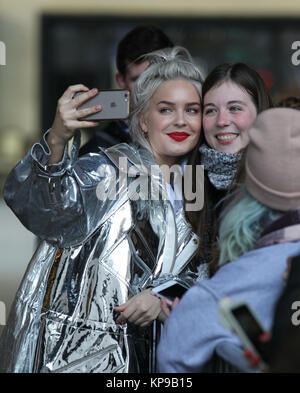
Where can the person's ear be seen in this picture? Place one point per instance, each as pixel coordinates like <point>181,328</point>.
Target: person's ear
<point>143,123</point>
<point>121,81</point>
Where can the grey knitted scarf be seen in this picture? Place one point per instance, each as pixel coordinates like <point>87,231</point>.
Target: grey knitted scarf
<point>220,167</point>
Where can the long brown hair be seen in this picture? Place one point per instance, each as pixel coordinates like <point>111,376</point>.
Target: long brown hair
<point>253,84</point>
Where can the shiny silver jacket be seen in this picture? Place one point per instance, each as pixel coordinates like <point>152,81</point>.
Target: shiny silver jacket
<point>95,253</point>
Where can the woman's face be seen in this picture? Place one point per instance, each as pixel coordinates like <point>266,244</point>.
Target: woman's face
<point>172,121</point>
<point>228,113</point>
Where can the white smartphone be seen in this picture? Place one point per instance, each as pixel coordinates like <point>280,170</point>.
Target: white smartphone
<point>241,319</point>
<point>115,104</point>
<point>169,290</point>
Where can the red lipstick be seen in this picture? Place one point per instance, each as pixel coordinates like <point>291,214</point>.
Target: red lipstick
<point>178,136</point>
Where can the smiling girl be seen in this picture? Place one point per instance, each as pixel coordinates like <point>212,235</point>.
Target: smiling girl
<point>228,112</point>
<point>233,95</point>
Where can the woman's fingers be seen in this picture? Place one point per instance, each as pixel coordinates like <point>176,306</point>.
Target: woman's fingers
<point>68,116</point>
<point>126,312</point>
<point>143,319</point>
<point>69,93</point>
<point>70,109</point>
<point>87,111</point>
<point>120,308</point>
<point>81,98</point>
<point>141,309</point>
<point>73,124</point>
<point>175,303</point>
<point>165,307</point>
<point>70,100</point>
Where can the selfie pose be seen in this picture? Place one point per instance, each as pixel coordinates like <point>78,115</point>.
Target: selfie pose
<point>84,304</point>
<point>130,64</point>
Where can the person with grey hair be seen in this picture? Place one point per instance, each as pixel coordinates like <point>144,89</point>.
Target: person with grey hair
<point>110,229</point>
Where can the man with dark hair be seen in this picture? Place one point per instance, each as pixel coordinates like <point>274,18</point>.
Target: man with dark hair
<point>137,42</point>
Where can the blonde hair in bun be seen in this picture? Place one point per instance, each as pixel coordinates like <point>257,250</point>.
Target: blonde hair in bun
<point>164,65</point>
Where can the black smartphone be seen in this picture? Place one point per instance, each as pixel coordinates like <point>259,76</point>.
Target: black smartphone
<point>241,319</point>
<point>169,290</point>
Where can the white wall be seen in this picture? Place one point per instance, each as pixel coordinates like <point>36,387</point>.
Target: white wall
<point>16,248</point>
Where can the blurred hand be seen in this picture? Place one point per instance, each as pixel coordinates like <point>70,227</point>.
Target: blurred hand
<point>142,309</point>
<point>252,359</point>
<point>167,308</point>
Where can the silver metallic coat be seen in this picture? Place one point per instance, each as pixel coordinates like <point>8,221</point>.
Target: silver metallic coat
<point>95,253</point>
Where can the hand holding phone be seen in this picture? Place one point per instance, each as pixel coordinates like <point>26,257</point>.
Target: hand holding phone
<point>169,290</point>
<point>114,103</point>
<point>239,318</point>
<point>167,308</point>
<point>68,119</point>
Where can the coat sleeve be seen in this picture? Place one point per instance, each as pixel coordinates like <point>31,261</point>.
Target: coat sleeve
<point>191,333</point>
<point>62,203</point>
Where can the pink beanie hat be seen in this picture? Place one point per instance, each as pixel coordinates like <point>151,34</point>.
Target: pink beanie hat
<point>273,159</point>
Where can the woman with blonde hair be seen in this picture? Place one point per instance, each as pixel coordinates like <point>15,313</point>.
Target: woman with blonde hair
<point>84,304</point>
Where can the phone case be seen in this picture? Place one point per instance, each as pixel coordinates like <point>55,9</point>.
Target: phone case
<point>115,104</point>
<point>170,290</point>
<point>246,325</point>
